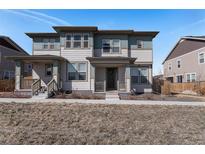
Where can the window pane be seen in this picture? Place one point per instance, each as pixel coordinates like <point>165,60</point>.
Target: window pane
<point>135,79</point>
<point>85,37</point>
<point>68,37</point>
<point>45,46</point>
<point>116,45</point>
<point>68,44</point>
<point>77,37</point>
<point>135,71</point>
<point>188,77</point>
<point>193,77</point>
<point>82,67</point>
<point>106,45</point>
<point>144,79</point>
<point>72,67</point>
<point>144,72</point>
<point>86,44</point>
<point>45,40</point>
<point>52,40</point>
<point>201,58</point>
<point>77,44</point>
<point>139,44</point>
<point>72,75</point>
<point>82,76</point>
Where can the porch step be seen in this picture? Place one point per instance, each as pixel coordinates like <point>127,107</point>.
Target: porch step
<point>40,96</point>
<point>112,96</point>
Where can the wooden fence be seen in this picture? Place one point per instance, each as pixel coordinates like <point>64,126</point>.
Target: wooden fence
<point>186,88</point>
<point>7,85</point>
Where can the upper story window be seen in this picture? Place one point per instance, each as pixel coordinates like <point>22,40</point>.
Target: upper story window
<point>52,43</point>
<point>49,43</point>
<point>178,63</point>
<point>45,43</point>
<point>201,58</point>
<point>77,40</point>
<point>139,44</point>
<point>111,45</point>
<point>85,40</point>
<point>68,41</point>
<point>169,66</point>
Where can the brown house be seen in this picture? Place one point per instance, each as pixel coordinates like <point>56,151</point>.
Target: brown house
<point>9,48</point>
<point>186,61</point>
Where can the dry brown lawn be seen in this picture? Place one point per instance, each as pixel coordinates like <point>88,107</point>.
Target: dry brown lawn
<point>100,124</point>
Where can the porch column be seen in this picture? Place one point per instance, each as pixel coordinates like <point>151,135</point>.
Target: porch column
<point>56,71</point>
<point>127,79</point>
<point>92,78</point>
<point>18,75</point>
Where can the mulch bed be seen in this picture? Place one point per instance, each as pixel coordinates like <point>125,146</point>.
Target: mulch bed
<point>78,96</point>
<point>11,95</point>
<point>156,97</point>
<point>51,123</point>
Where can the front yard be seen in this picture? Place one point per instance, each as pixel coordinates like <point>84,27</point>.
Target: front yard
<point>51,123</point>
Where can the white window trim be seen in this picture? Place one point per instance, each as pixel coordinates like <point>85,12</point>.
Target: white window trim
<point>142,44</point>
<point>81,41</point>
<point>199,57</point>
<point>111,40</point>
<point>191,76</point>
<point>77,62</point>
<point>179,75</point>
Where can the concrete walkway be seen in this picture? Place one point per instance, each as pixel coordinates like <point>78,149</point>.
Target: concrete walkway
<point>88,101</point>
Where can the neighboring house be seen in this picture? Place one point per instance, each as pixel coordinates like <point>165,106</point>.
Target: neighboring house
<point>8,48</point>
<point>186,61</point>
<point>90,60</point>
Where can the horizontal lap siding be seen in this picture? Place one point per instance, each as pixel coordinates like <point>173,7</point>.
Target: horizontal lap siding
<point>45,52</point>
<point>76,56</point>
<point>142,55</point>
<point>189,64</point>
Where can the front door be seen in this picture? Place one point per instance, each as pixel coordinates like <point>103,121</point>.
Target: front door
<point>111,79</point>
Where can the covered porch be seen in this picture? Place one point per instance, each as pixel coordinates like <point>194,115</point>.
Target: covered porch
<point>109,74</point>
<point>44,75</point>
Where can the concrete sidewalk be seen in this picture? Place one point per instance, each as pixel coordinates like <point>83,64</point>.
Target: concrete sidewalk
<point>88,101</point>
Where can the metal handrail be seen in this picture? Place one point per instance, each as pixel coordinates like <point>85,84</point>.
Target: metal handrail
<point>51,87</point>
<point>36,85</point>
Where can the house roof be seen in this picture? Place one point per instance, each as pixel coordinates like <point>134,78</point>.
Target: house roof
<point>31,35</point>
<point>185,45</point>
<point>35,57</point>
<point>74,28</point>
<point>9,43</point>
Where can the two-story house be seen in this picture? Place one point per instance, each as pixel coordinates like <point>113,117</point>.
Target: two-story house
<point>86,59</point>
<point>186,61</point>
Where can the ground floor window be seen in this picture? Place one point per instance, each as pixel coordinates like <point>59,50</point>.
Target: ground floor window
<point>7,75</point>
<point>139,75</point>
<point>191,77</point>
<point>77,71</point>
<point>179,79</point>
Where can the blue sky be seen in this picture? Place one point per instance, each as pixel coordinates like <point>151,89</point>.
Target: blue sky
<point>172,24</point>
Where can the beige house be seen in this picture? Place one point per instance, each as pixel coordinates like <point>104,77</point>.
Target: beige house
<point>186,61</point>
<point>85,59</point>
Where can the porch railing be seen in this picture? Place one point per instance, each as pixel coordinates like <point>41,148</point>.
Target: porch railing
<point>36,86</point>
<point>100,86</point>
<point>26,83</point>
<point>52,87</point>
